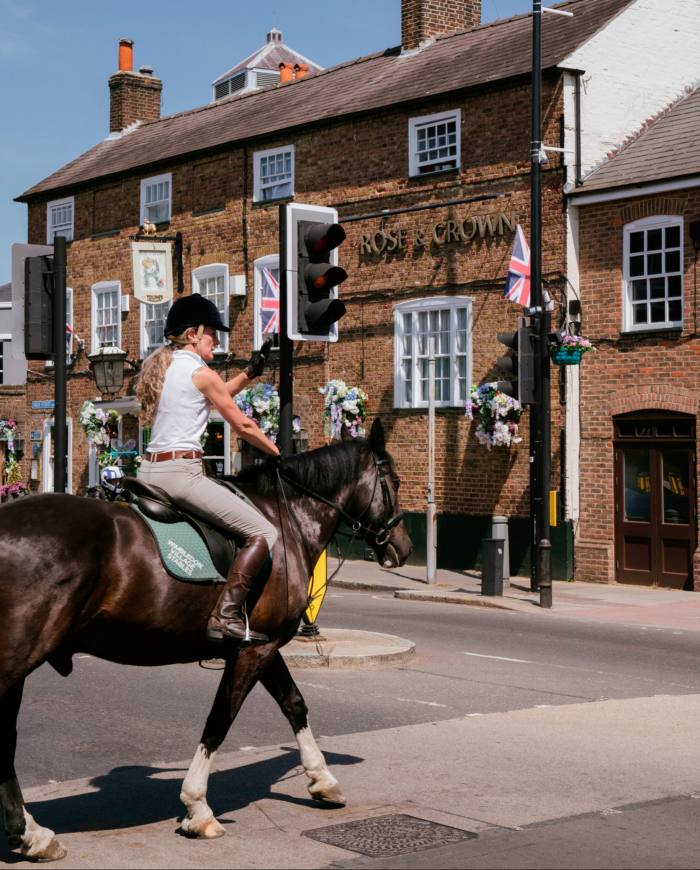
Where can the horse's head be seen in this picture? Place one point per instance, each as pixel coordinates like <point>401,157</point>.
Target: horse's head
<point>383,515</point>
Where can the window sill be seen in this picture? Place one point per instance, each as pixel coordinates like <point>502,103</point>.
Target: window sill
<point>262,203</point>
<point>208,211</point>
<point>436,172</point>
<point>650,331</point>
<point>103,235</point>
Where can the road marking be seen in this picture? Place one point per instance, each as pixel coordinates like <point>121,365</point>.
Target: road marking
<point>542,706</point>
<point>611,812</point>
<point>471,715</point>
<point>84,657</point>
<point>427,703</point>
<point>499,658</point>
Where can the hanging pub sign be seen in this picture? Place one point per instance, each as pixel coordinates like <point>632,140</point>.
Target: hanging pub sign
<point>153,271</point>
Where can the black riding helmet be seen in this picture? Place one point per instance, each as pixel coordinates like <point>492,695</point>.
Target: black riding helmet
<point>194,311</point>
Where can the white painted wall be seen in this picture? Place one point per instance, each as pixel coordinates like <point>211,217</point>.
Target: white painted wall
<point>634,68</point>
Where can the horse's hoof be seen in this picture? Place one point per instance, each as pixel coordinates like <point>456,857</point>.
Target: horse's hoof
<point>54,851</point>
<point>210,829</point>
<point>329,795</point>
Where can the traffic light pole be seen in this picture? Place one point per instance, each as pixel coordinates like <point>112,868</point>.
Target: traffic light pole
<point>59,344</point>
<point>286,347</point>
<point>541,438</point>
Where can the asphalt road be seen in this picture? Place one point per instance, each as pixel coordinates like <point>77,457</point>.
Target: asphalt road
<point>469,661</point>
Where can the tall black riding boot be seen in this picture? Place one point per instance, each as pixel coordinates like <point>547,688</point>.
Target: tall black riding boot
<point>228,621</point>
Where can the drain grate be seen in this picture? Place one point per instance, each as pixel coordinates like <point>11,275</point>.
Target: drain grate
<point>389,835</point>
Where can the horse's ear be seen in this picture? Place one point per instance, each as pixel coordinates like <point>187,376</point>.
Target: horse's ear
<point>376,437</point>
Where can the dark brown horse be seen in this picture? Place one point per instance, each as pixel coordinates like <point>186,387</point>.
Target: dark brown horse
<point>84,575</point>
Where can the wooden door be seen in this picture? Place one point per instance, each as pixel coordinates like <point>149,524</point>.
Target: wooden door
<point>655,528</point>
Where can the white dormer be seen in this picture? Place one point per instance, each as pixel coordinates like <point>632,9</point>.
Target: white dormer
<point>261,69</point>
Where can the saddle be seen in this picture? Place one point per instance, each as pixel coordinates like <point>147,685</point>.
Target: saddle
<point>181,534</point>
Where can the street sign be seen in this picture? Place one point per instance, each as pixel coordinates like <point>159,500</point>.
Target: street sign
<point>43,405</point>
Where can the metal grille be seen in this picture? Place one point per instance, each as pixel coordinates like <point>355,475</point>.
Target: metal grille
<point>383,836</point>
<point>266,79</point>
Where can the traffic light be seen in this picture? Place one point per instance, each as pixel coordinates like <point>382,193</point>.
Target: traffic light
<point>38,307</point>
<point>313,274</point>
<point>520,363</point>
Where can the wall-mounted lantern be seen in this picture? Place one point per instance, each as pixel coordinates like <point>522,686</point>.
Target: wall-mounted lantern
<point>107,366</point>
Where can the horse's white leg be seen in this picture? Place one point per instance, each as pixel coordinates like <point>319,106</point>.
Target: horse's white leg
<point>323,786</point>
<point>199,821</point>
<point>40,844</point>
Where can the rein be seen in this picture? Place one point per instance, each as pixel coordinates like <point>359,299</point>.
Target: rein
<point>381,535</point>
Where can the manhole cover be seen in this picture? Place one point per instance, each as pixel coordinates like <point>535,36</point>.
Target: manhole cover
<point>389,835</point>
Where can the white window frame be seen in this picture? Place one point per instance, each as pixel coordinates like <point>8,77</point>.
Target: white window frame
<point>258,187</point>
<point>272,261</point>
<point>661,222</point>
<point>96,290</point>
<point>414,308</point>
<point>215,417</point>
<point>144,350</point>
<point>157,179</point>
<point>47,477</point>
<point>64,229</point>
<point>215,270</point>
<point>425,121</point>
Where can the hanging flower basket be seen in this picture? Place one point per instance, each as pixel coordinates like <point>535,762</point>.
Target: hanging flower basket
<point>262,404</point>
<point>101,428</point>
<point>568,350</point>
<point>498,415</point>
<point>344,409</point>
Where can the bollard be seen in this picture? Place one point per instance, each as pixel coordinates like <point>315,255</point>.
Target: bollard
<point>492,566</point>
<point>499,530</point>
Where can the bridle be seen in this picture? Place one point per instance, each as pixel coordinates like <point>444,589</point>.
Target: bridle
<point>381,535</point>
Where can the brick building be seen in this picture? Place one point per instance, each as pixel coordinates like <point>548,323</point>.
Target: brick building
<point>435,135</point>
<point>638,220</point>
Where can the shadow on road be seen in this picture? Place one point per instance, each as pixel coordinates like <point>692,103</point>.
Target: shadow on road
<point>133,796</point>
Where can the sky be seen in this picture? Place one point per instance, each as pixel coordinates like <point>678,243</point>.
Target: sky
<point>56,59</point>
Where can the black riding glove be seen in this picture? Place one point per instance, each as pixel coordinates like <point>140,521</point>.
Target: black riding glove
<point>256,363</point>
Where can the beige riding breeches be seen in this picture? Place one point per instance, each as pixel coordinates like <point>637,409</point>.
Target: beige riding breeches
<point>184,481</point>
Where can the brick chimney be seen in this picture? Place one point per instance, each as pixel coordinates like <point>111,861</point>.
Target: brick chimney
<point>425,19</point>
<point>133,96</point>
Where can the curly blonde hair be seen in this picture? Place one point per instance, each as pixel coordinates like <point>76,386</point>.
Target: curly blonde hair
<point>149,383</point>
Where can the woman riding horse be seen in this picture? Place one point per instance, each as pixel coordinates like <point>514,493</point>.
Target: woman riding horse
<point>177,390</point>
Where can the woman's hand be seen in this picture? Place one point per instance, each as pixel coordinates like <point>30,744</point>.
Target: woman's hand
<point>258,360</point>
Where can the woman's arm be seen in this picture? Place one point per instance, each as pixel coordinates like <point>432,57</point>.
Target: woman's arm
<point>215,389</point>
<point>235,385</point>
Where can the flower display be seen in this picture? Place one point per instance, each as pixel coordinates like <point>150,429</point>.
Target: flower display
<point>13,490</point>
<point>344,408</point>
<point>497,415</point>
<point>101,427</point>
<point>573,341</point>
<point>262,404</point>
<point>8,431</point>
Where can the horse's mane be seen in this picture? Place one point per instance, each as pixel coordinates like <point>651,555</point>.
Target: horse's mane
<point>323,471</point>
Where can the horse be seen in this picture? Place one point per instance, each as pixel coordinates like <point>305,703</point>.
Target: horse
<point>82,575</point>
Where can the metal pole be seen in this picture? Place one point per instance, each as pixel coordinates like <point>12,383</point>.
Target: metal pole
<point>286,348</point>
<point>431,513</point>
<point>59,347</point>
<point>542,458</point>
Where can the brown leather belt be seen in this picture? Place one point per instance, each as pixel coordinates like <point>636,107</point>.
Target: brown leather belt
<point>173,454</point>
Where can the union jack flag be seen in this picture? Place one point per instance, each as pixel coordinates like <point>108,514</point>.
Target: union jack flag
<point>517,287</point>
<point>269,303</point>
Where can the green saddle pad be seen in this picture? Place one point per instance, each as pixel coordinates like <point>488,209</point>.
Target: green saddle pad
<point>183,551</point>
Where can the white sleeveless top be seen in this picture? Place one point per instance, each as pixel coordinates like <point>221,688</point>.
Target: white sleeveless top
<point>183,410</point>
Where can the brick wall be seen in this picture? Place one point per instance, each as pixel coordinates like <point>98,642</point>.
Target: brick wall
<point>633,372</point>
<point>213,208</point>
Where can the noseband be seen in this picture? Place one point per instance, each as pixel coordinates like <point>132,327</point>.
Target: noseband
<point>381,535</point>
